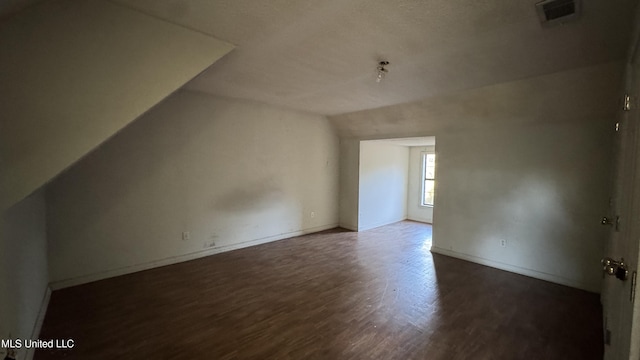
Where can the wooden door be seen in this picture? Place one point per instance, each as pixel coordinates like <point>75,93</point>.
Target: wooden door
<point>618,294</point>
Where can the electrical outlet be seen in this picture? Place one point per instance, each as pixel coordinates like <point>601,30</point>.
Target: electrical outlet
<point>503,242</point>
<point>186,236</point>
<point>313,214</point>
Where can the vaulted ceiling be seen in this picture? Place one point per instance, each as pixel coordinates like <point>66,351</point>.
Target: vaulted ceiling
<point>320,56</point>
<point>75,72</point>
<point>309,55</point>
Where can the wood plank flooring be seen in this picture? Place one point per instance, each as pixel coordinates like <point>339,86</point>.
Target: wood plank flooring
<point>378,294</point>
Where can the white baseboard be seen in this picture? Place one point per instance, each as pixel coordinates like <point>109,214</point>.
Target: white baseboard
<point>376,225</point>
<point>420,220</point>
<point>61,284</point>
<point>35,334</point>
<point>516,269</point>
<point>348,227</point>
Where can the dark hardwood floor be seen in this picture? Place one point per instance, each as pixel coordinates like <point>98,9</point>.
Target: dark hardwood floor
<point>378,294</point>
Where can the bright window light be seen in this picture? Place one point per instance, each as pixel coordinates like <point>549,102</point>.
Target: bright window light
<point>429,178</point>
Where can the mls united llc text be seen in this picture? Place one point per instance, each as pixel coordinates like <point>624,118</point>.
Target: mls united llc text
<point>37,344</point>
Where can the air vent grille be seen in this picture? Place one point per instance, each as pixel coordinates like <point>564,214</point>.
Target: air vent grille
<point>557,11</point>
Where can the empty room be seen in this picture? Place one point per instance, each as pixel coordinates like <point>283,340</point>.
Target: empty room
<point>340,179</point>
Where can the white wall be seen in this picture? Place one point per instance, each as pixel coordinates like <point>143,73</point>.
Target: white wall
<point>24,276</point>
<point>527,161</point>
<point>228,171</point>
<point>349,183</point>
<point>74,72</point>
<point>415,210</point>
<point>383,184</point>
<point>540,187</point>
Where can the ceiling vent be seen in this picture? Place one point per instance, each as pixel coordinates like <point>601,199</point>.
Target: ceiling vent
<point>557,11</point>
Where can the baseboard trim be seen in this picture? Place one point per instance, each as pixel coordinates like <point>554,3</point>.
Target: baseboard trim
<point>37,327</point>
<point>420,220</point>
<point>515,269</point>
<point>377,225</point>
<point>61,284</point>
<point>348,227</point>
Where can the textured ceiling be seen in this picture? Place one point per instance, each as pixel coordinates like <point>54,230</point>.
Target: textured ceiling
<point>10,7</point>
<point>587,94</point>
<point>320,56</point>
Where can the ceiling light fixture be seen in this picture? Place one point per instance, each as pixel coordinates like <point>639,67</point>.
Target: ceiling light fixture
<point>382,71</point>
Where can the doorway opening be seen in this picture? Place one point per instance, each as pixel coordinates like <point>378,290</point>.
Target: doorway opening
<point>397,181</point>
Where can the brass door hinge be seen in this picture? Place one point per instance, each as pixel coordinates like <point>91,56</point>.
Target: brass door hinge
<point>632,296</point>
<point>627,103</point>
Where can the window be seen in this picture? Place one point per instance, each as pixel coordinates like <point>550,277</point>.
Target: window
<point>429,178</point>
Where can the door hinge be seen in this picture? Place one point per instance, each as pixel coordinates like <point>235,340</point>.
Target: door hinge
<point>609,221</point>
<point>627,102</point>
<point>632,296</point>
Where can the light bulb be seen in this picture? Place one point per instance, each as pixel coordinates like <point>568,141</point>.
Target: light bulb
<point>382,71</point>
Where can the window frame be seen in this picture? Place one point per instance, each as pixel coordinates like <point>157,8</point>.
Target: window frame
<point>423,178</point>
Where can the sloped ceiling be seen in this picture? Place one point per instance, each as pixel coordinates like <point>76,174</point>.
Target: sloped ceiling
<point>309,55</point>
<point>579,95</point>
<point>73,73</point>
<point>320,56</point>
<point>10,7</point>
